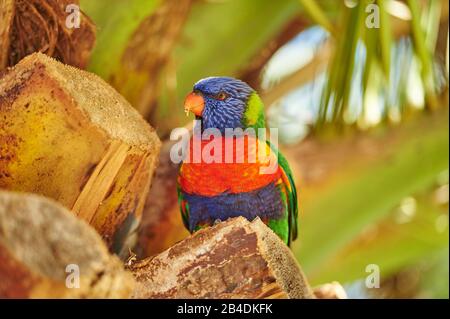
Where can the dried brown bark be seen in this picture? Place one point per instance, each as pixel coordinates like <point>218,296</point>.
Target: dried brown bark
<point>68,135</point>
<point>39,238</point>
<point>233,259</point>
<point>161,225</point>
<point>28,26</point>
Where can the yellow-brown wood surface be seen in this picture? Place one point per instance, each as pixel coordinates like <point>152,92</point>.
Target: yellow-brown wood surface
<point>68,135</point>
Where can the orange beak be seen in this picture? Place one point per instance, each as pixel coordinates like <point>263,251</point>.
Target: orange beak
<point>194,103</point>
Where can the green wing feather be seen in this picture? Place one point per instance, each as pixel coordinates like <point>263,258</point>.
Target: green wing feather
<point>291,192</point>
<point>292,199</point>
<point>184,207</point>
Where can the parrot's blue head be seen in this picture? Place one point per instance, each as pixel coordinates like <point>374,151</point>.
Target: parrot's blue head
<point>221,102</point>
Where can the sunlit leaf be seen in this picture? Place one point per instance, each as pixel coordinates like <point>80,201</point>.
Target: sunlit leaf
<point>317,14</point>
<point>423,52</point>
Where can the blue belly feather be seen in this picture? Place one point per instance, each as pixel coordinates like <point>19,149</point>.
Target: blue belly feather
<point>265,202</point>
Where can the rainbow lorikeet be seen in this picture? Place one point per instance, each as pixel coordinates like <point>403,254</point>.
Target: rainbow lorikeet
<point>209,191</point>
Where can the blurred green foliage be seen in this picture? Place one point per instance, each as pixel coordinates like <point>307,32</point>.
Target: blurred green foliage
<point>363,194</point>
<point>116,20</point>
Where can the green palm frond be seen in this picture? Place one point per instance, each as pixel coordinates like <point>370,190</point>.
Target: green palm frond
<point>353,31</point>
<point>317,14</point>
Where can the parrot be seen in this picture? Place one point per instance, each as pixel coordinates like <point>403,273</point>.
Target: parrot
<point>214,191</point>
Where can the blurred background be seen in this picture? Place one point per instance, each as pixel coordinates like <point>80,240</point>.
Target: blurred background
<point>359,93</point>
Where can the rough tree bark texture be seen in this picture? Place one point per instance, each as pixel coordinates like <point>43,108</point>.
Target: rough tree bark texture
<point>68,135</point>
<point>233,259</point>
<point>39,238</point>
<point>28,26</point>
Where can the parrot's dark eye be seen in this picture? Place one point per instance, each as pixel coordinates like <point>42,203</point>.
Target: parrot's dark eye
<point>221,96</point>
